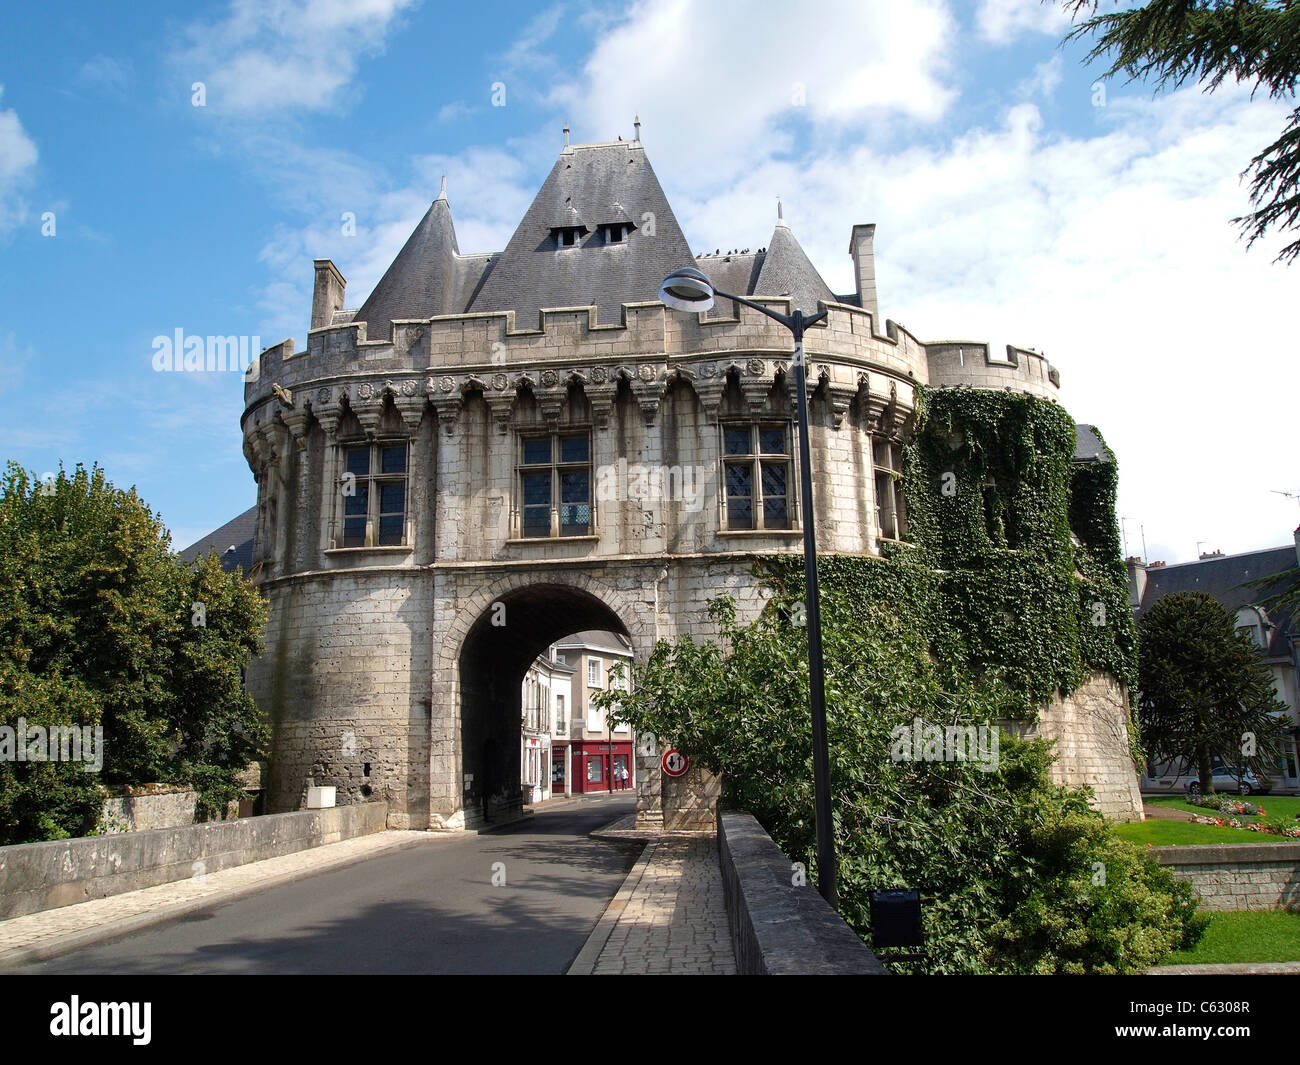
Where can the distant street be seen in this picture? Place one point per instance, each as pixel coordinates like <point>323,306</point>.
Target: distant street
<point>430,908</point>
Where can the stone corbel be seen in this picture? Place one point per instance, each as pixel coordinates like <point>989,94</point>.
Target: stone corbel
<point>448,407</point>
<point>709,390</point>
<point>841,399</point>
<point>411,409</point>
<point>756,391</point>
<point>296,420</point>
<point>648,400</point>
<point>601,399</point>
<point>551,407</point>
<point>501,405</point>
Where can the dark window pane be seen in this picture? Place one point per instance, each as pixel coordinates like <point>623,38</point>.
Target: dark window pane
<point>774,479</point>
<point>740,479</point>
<point>537,489</point>
<point>357,503</point>
<point>740,513</point>
<point>883,453</point>
<point>354,532</point>
<point>575,487</point>
<point>776,514</point>
<point>537,521</point>
<point>392,498</point>
<point>771,441</point>
<point>574,449</point>
<point>393,459</point>
<point>358,461</point>
<point>537,449</point>
<point>575,519</point>
<point>735,441</point>
<point>390,530</point>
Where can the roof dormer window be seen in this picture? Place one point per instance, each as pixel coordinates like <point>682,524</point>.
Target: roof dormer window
<point>616,232</point>
<point>567,236</point>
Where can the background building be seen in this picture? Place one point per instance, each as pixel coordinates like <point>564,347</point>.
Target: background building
<point>1225,578</point>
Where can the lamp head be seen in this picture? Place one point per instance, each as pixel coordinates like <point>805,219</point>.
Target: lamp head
<point>687,289</point>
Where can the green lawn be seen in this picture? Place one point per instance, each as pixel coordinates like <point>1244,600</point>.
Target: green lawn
<point>1182,833</point>
<point>1252,935</point>
<point>1280,806</point>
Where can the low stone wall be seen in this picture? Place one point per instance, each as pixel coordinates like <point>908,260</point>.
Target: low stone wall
<point>1240,876</point>
<point>777,928</point>
<point>44,876</point>
<point>148,807</point>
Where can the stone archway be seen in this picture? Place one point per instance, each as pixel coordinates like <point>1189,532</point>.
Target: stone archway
<point>484,657</point>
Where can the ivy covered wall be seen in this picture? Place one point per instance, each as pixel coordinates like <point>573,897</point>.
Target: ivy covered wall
<point>1013,569</point>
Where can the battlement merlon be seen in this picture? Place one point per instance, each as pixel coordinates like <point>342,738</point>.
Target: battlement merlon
<point>954,363</point>
<point>489,341</point>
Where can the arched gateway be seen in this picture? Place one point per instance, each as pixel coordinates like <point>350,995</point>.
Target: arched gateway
<point>500,449</point>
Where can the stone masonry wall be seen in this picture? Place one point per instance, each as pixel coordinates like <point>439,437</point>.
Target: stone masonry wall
<point>345,681</point>
<point>1238,876</point>
<point>1092,746</point>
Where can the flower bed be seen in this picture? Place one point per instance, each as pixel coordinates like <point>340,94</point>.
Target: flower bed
<point>1269,828</point>
<point>1224,805</point>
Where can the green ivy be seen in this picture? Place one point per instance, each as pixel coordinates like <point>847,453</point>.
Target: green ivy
<point>1013,573</point>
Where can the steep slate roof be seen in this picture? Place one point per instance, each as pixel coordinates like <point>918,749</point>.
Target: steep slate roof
<point>787,271</point>
<point>1088,446</point>
<point>422,281</point>
<point>595,180</point>
<point>238,532</point>
<point>1222,578</point>
<point>589,185</point>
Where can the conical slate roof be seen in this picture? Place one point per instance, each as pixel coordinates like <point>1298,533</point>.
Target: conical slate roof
<point>598,184</point>
<point>787,271</point>
<point>422,280</point>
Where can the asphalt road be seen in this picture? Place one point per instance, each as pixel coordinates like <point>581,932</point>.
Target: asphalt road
<point>429,908</point>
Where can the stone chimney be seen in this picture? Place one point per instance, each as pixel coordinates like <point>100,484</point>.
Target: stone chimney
<point>1137,581</point>
<point>1296,534</point>
<point>862,248</point>
<point>327,296</point>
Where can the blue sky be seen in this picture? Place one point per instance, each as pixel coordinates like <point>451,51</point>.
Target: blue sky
<point>1013,202</point>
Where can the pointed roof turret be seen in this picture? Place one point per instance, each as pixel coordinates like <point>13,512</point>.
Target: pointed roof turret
<point>587,182</point>
<point>787,271</point>
<point>421,281</point>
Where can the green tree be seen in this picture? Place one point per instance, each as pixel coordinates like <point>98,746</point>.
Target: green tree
<point>97,629</point>
<point>1256,42</point>
<point>1009,862</point>
<point>1205,692</point>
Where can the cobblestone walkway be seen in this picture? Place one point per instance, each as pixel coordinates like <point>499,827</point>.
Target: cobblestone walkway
<point>673,918</point>
<point>41,935</point>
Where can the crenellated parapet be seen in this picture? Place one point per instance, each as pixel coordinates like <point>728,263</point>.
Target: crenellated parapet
<point>957,363</point>
<point>444,359</point>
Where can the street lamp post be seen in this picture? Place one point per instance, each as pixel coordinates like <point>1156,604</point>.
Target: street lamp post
<point>689,289</point>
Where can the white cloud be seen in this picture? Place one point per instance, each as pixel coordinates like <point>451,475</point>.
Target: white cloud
<point>275,55</point>
<point>715,90</point>
<point>17,164</point>
<point>1045,79</point>
<point>1002,21</point>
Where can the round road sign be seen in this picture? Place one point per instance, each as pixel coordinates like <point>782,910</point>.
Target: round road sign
<point>674,762</point>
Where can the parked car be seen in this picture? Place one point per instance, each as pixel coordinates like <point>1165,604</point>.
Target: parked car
<point>1230,778</point>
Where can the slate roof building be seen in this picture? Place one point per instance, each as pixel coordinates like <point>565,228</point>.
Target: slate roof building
<point>498,449</point>
<point>1226,578</point>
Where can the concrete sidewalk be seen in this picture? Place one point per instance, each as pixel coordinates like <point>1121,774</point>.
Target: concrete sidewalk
<point>669,917</point>
<point>38,936</point>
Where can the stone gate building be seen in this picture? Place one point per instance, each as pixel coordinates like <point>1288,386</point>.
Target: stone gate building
<point>498,449</point>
